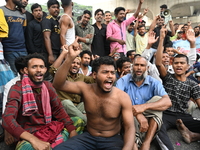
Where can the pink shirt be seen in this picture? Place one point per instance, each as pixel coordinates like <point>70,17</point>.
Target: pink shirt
<point>117,32</point>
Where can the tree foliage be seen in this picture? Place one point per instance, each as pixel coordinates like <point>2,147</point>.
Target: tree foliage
<point>77,9</point>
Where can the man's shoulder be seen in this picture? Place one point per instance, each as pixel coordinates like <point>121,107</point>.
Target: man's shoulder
<point>192,82</point>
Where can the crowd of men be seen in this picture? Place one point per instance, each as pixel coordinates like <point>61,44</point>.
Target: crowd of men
<point>116,84</point>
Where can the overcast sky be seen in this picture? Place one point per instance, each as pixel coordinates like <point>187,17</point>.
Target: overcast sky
<point>84,2</point>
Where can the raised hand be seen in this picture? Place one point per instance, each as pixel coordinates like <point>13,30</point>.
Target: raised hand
<point>163,32</point>
<point>74,49</point>
<point>141,1</point>
<point>145,11</point>
<point>190,36</point>
<point>151,37</point>
<point>127,11</point>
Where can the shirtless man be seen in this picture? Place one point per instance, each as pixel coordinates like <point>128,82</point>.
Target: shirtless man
<point>67,29</point>
<point>106,107</point>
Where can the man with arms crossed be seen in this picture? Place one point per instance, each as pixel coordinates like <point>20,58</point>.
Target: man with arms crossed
<point>105,106</point>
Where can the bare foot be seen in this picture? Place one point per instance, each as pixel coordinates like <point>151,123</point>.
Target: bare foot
<point>185,132</point>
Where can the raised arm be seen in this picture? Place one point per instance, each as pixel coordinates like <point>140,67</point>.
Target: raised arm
<point>138,8</point>
<point>192,54</point>
<point>151,39</point>
<point>161,68</point>
<point>171,26</point>
<point>60,81</point>
<point>153,24</point>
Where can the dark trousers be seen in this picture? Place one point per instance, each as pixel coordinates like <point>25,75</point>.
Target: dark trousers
<point>86,141</point>
<point>169,121</point>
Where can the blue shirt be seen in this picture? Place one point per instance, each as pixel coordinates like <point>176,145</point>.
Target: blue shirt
<point>141,94</point>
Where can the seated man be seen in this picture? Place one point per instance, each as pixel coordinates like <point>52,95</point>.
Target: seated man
<point>130,54</point>
<point>86,57</point>
<point>149,99</point>
<point>105,106</point>
<point>31,105</point>
<point>180,90</point>
<point>72,102</point>
<point>123,66</point>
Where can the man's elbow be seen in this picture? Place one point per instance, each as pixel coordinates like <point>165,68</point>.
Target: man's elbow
<point>168,102</point>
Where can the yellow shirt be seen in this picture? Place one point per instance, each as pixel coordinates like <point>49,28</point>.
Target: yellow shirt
<point>3,25</point>
<point>141,43</point>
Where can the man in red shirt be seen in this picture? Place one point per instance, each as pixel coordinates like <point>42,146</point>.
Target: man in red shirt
<point>32,103</point>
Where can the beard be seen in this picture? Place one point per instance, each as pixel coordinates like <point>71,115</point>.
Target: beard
<point>35,82</point>
<point>85,64</point>
<point>139,78</point>
<point>196,34</point>
<point>18,3</point>
<point>141,34</point>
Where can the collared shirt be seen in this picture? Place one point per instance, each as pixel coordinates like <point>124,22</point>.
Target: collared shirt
<point>99,40</point>
<point>82,32</point>
<point>180,92</point>
<point>75,98</point>
<point>34,37</point>
<point>118,32</point>
<point>88,73</point>
<point>141,94</point>
<point>15,123</point>
<point>51,24</point>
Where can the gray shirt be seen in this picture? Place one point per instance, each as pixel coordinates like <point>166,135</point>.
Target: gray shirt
<point>82,32</point>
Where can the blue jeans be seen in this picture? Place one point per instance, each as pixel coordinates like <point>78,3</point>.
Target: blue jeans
<point>86,141</point>
<point>10,57</point>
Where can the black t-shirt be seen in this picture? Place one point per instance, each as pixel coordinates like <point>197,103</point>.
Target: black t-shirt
<point>51,24</point>
<point>166,40</point>
<point>99,40</point>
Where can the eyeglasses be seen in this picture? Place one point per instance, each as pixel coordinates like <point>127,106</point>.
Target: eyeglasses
<point>117,57</point>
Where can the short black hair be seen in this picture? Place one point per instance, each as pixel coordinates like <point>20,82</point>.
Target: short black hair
<point>105,60</point>
<point>34,6</point>
<point>87,12</point>
<point>182,55</point>
<point>141,26</point>
<point>66,2</point>
<point>162,17</point>
<point>168,44</point>
<point>129,52</point>
<point>196,27</point>
<point>20,63</point>
<point>121,61</point>
<point>78,18</point>
<point>35,55</point>
<point>85,52</point>
<point>52,2</point>
<point>97,11</point>
<point>176,24</point>
<point>107,12</point>
<point>163,6</point>
<point>185,24</point>
<point>132,23</point>
<point>118,9</point>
